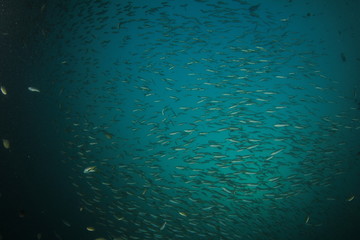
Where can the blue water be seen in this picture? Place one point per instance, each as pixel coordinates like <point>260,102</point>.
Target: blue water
<point>202,120</point>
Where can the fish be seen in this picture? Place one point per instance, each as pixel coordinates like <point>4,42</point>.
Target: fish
<point>253,8</point>
<point>226,190</point>
<point>183,214</point>
<point>90,169</point>
<point>108,135</point>
<point>32,89</point>
<point>281,125</point>
<point>6,143</point>
<point>66,223</point>
<point>351,198</point>
<point>163,226</point>
<point>276,152</point>
<point>3,90</point>
<point>90,229</point>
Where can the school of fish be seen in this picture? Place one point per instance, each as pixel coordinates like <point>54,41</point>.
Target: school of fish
<point>197,120</point>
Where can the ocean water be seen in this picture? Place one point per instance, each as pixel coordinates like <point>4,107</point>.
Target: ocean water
<point>194,119</point>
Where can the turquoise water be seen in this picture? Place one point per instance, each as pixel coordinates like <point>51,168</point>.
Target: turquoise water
<point>182,120</point>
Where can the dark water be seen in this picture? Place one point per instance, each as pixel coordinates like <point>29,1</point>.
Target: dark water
<point>179,119</point>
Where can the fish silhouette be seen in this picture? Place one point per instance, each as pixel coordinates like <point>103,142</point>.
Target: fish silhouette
<point>252,10</point>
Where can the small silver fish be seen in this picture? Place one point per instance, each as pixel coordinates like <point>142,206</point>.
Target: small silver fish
<point>90,169</point>
<point>163,226</point>
<point>32,89</point>
<point>3,90</point>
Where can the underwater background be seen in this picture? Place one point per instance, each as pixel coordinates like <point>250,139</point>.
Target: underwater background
<point>192,119</point>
